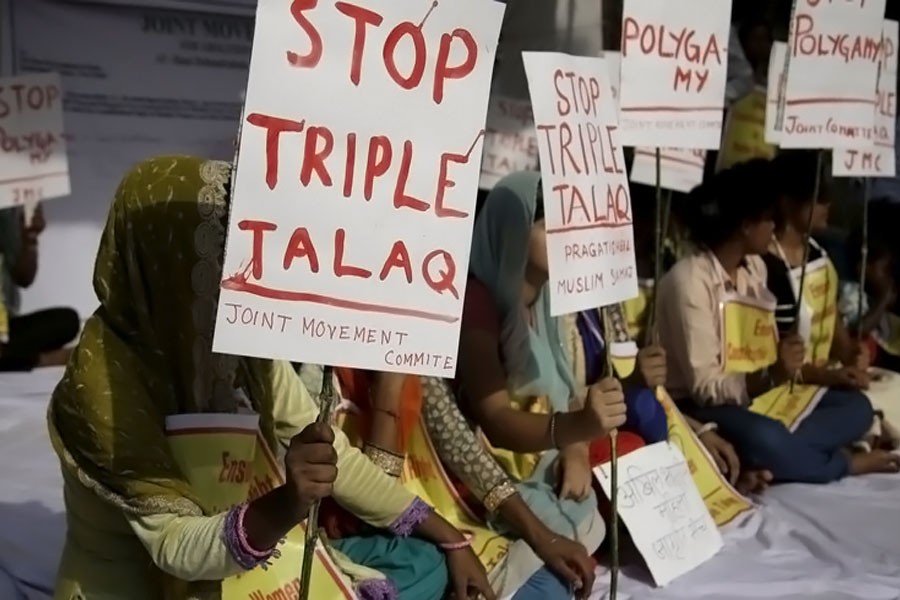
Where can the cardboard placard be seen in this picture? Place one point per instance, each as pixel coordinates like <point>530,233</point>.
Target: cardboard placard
<point>510,144</point>
<point>834,50</point>
<point>34,165</point>
<point>879,160</point>
<point>674,71</point>
<point>679,169</point>
<point>590,239</point>
<point>351,219</point>
<point>775,92</point>
<point>663,510</point>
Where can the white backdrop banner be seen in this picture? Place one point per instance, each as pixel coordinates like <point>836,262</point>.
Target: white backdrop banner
<point>172,85</point>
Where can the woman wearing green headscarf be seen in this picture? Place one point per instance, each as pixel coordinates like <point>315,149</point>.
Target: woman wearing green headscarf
<point>137,527</point>
<point>513,377</point>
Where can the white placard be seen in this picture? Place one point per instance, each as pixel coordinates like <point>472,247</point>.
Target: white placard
<point>679,169</point>
<point>880,159</point>
<point>510,144</point>
<point>614,63</point>
<point>663,510</point>
<point>34,165</point>
<point>674,71</point>
<point>590,240</point>
<point>349,231</point>
<point>775,91</point>
<point>833,56</point>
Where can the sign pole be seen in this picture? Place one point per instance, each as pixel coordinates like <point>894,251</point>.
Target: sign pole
<point>613,469</point>
<point>864,254</point>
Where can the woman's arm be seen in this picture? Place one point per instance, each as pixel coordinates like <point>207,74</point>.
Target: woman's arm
<point>386,397</point>
<point>484,380</point>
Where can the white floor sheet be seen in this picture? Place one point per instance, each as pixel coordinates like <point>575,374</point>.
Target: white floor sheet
<point>835,542</point>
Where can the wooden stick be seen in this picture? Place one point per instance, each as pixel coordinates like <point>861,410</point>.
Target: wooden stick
<point>613,470</point>
<point>864,256</point>
<point>807,234</point>
<point>327,401</point>
<point>651,334</point>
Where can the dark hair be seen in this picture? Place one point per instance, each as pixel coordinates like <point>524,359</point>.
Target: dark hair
<point>747,26</point>
<point>795,172</point>
<point>716,210</point>
<point>879,248</point>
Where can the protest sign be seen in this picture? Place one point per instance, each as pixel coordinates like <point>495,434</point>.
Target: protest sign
<point>33,161</point>
<point>674,63</point>
<point>350,225</point>
<point>775,92</point>
<point>590,240</point>
<point>664,513</point>
<point>833,54</point>
<point>744,135</point>
<point>679,169</point>
<point>510,144</point>
<point>877,160</point>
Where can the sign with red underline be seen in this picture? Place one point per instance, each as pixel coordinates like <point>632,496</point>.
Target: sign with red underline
<point>34,165</point>
<point>833,53</point>
<point>354,197</point>
<point>587,204</point>
<point>674,71</point>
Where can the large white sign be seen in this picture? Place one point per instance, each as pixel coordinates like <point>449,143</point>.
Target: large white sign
<point>775,91</point>
<point>590,240</point>
<point>33,161</point>
<point>879,160</point>
<point>663,510</point>
<point>679,169</point>
<point>510,144</point>
<point>674,71</point>
<point>360,154</point>
<point>833,54</point>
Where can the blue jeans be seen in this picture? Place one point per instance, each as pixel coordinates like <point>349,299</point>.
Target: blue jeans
<point>812,453</point>
<point>543,585</point>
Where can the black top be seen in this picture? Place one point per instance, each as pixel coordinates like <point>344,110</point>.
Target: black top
<point>779,283</point>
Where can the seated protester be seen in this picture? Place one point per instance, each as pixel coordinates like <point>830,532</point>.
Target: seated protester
<point>386,407</point>
<point>864,314</point>
<point>714,375</point>
<point>137,526</point>
<point>36,339</point>
<point>513,379</point>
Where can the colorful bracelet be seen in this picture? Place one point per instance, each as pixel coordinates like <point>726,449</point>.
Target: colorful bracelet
<point>553,441</point>
<point>235,538</point>
<point>390,463</point>
<point>706,428</point>
<point>498,495</point>
<point>451,546</point>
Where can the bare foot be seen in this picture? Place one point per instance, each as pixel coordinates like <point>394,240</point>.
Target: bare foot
<point>877,461</point>
<point>753,482</point>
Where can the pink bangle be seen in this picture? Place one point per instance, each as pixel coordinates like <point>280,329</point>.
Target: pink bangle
<point>242,536</point>
<point>450,546</point>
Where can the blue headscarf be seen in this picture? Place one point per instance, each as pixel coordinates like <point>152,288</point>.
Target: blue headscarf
<point>532,356</point>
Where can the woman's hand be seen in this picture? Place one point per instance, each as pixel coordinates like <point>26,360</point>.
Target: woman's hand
<point>467,576</point>
<point>847,378</point>
<point>574,472</point>
<point>860,358</point>
<point>568,560</point>
<point>310,466</point>
<point>791,355</point>
<point>724,455</point>
<point>651,364</point>
<point>605,406</point>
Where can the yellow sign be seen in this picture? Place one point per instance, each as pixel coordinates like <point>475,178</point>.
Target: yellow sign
<point>789,408</point>
<point>743,138</point>
<point>750,338</point>
<point>227,463</point>
<point>723,501</point>
<point>820,297</point>
<point>624,358</point>
<point>636,309</point>
<point>424,476</point>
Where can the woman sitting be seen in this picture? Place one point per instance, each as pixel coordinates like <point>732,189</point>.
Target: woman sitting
<point>513,379</point>
<point>136,528</point>
<point>716,320</point>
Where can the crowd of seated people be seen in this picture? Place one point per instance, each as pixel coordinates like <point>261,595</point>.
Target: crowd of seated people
<point>515,434</point>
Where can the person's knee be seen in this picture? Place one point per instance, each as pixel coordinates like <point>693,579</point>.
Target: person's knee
<point>543,585</point>
<point>69,324</point>
<point>853,410</point>
<point>646,416</point>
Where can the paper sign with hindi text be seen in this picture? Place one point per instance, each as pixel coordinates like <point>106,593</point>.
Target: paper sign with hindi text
<point>775,92</point>
<point>833,53</point>
<point>664,512</point>
<point>590,240</point>
<point>879,159</point>
<point>360,154</point>
<point>679,169</point>
<point>33,161</point>
<point>674,67</point>
<point>510,144</point>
